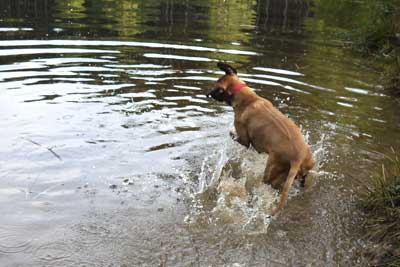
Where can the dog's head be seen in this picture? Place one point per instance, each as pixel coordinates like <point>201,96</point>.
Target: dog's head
<point>220,91</point>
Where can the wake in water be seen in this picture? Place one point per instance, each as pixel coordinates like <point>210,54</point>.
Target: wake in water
<point>230,188</point>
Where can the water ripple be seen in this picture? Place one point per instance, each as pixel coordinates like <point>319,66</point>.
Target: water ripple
<point>32,51</point>
<point>84,69</point>
<point>22,74</point>
<point>30,43</point>
<point>284,79</point>
<point>21,66</point>
<point>151,72</point>
<point>60,61</point>
<point>279,71</point>
<point>92,234</point>
<point>139,95</point>
<point>83,264</point>
<point>362,91</point>
<point>186,98</point>
<point>153,55</point>
<point>15,29</point>
<point>53,252</point>
<point>137,66</point>
<point>153,79</point>
<point>14,239</point>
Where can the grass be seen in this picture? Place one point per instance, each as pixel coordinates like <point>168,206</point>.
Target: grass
<point>381,203</point>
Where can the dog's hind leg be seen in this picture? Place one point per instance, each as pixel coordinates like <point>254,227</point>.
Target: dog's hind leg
<point>268,167</point>
<point>272,170</point>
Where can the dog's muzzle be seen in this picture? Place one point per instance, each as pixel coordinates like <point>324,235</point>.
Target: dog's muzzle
<point>220,95</point>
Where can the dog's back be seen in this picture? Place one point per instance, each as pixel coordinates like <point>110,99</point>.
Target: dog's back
<point>270,131</point>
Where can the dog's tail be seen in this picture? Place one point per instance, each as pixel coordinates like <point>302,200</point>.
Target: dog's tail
<point>294,169</point>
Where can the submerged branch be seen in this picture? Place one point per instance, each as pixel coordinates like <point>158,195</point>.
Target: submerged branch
<point>48,148</point>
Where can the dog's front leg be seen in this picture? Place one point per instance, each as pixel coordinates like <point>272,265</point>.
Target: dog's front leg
<point>241,135</point>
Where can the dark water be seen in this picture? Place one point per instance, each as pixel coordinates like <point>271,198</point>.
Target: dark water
<point>111,155</point>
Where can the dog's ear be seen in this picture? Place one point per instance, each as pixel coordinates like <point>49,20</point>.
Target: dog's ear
<point>227,68</point>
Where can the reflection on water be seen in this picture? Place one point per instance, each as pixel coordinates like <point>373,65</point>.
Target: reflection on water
<point>109,145</point>
<point>274,16</point>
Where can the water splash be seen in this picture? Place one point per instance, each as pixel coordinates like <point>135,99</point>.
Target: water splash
<point>231,191</point>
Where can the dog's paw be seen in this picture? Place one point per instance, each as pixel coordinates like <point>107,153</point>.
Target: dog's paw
<point>274,212</point>
<point>233,135</point>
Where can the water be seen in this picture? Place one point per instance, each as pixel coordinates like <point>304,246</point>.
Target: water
<point>111,155</point>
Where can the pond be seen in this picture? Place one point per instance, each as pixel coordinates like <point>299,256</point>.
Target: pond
<point>111,154</point>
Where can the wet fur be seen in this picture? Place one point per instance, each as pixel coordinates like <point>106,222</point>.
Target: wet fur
<point>259,124</point>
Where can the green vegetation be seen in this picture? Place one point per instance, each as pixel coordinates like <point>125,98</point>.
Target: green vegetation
<point>371,27</point>
<point>381,203</point>
<point>379,27</point>
<point>368,26</point>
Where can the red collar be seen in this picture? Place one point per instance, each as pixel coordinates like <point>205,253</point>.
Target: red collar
<point>237,87</point>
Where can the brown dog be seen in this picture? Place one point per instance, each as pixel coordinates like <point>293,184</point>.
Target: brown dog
<point>260,124</point>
